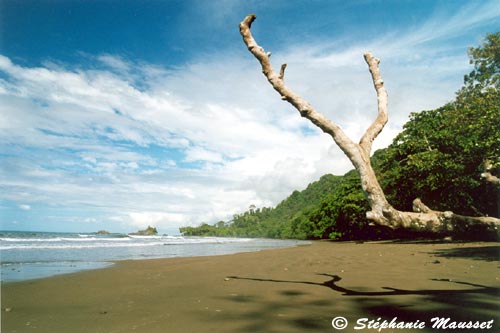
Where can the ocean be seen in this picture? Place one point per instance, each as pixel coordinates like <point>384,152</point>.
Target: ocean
<point>32,255</point>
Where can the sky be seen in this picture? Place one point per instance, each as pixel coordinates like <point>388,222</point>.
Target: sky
<point>117,115</point>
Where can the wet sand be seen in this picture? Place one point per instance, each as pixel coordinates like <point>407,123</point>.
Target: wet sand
<point>287,290</point>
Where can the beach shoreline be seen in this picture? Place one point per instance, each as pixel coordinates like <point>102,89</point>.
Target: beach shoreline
<point>32,255</point>
<point>298,289</point>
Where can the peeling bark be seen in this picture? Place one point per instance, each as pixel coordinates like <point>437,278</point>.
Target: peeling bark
<point>422,219</point>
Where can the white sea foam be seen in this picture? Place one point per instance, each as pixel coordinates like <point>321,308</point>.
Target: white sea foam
<point>46,253</point>
<point>75,246</point>
<point>96,242</point>
<point>56,239</point>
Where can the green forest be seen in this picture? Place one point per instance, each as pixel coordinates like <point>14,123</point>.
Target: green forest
<point>439,156</point>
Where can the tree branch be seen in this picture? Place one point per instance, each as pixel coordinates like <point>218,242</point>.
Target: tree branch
<point>487,174</point>
<point>378,124</point>
<point>282,72</point>
<point>490,178</point>
<point>277,81</point>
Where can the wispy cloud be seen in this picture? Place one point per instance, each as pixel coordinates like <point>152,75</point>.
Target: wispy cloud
<point>98,134</point>
<point>24,207</point>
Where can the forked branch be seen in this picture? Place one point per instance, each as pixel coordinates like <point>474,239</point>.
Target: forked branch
<point>305,108</point>
<point>378,124</point>
<point>277,81</point>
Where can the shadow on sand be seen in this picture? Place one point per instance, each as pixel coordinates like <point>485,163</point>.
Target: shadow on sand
<point>475,303</point>
<point>390,291</point>
<point>487,253</point>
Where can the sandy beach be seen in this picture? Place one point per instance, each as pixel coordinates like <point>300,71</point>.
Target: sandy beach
<point>299,289</point>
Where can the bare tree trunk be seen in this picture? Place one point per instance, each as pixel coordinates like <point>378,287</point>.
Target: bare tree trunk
<point>382,213</point>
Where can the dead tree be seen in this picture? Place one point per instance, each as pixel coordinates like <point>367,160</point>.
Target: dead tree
<point>422,219</point>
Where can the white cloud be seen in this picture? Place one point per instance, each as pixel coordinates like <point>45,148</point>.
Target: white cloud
<point>24,207</point>
<point>201,154</point>
<point>114,62</point>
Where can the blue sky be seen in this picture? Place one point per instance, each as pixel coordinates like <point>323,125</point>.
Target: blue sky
<point>121,114</point>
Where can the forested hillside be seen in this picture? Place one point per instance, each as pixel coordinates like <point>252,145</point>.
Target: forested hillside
<point>272,222</point>
<point>441,156</point>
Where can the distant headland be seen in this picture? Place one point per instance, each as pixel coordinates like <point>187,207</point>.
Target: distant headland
<point>149,231</point>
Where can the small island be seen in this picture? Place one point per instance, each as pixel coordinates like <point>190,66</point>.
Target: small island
<point>149,231</point>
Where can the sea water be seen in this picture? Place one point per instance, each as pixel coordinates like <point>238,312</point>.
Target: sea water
<point>31,255</point>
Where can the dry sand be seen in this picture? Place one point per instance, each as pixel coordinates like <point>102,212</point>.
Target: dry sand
<point>288,290</point>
